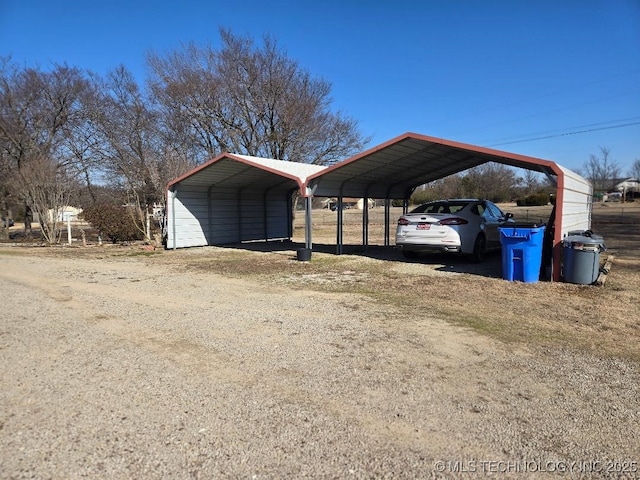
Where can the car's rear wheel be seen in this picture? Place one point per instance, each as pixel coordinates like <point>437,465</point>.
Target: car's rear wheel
<point>479,249</point>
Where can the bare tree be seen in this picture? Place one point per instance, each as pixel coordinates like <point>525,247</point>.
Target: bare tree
<point>531,181</point>
<point>46,187</point>
<point>128,142</point>
<point>251,100</point>
<point>447,187</point>
<point>38,110</point>
<point>5,198</point>
<point>492,181</point>
<point>602,171</point>
<point>81,143</point>
<point>634,171</point>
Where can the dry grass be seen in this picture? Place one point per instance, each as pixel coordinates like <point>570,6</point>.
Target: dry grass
<point>601,320</point>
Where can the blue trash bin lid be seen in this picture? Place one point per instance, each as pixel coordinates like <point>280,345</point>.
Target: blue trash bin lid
<point>515,230</point>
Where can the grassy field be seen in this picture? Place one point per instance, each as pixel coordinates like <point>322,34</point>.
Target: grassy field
<point>324,221</point>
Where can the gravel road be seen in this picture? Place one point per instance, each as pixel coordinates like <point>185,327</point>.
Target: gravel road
<point>122,368</point>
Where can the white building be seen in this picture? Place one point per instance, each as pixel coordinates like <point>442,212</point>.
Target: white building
<point>66,213</point>
<point>628,185</point>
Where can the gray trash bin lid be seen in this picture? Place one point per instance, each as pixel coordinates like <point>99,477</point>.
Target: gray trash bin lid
<point>580,242</point>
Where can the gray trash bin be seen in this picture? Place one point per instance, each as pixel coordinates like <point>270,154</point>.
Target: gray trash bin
<point>582,257</point>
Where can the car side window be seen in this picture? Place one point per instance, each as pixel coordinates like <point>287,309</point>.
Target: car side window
<point>494,210</point>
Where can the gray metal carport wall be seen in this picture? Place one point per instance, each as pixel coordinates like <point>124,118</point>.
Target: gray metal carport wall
<point>234,198</point>
<point>395,168</point>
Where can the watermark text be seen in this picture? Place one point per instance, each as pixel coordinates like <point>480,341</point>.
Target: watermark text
<point>525,466</point>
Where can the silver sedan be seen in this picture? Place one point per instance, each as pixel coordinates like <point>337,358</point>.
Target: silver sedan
<point>468,226</point>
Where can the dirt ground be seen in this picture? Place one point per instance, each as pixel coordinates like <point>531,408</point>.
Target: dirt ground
<point>123,362</point>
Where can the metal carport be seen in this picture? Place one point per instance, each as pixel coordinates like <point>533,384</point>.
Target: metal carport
<point>239,198</point>
<point>232,199</point>
<point>394,169</point>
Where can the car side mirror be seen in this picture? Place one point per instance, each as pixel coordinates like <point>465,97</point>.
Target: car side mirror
<point>508,215</point>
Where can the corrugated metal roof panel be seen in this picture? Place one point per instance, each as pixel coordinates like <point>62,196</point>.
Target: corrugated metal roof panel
<point>301,170</point>
<point>394,168</point>
<point>245,170</point>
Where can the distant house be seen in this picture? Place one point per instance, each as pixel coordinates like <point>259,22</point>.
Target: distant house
<point>628,185</point>
<point>65,214</point>
<point>347,202</point>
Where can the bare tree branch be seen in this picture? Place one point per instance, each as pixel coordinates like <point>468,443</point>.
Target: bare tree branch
<point>602,171</point>
<point>38,112</point>
<point>251,100</point>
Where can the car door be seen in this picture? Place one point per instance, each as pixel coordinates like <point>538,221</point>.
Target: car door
<point>493,218</point>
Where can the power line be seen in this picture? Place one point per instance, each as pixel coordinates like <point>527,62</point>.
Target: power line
<point>559,130</point>
<point>553,93</point>
<point>566,134</point>
<point>547,112</point>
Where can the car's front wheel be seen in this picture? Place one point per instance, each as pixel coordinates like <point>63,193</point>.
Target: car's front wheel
<point>479,249</point>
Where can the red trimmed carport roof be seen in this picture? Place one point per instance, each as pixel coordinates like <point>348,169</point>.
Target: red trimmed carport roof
<point>395,168</point>
<point>242,171</point>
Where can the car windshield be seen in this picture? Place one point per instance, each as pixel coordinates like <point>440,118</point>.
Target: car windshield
<point>440,207</point>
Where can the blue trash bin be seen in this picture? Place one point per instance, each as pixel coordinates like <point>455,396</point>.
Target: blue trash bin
<point>522,252</point>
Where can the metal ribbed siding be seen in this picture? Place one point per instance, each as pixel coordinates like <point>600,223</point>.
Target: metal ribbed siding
<point>232,199</point>
<point>575,202</point>
<point>186,207</point>
<point>203,216</point>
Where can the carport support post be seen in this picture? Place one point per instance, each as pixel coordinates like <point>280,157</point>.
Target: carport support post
<point>387,211</point>
<point>339,220</point>
<point>307,222</point>
<point>174,192</point>
<point>365,223</point>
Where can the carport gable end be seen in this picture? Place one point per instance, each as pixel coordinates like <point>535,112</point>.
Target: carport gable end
<point>232,199</point>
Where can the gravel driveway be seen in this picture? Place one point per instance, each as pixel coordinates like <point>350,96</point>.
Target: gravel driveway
<point>121,368</point>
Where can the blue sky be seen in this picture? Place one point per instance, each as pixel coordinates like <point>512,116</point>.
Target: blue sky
<point>491,73</point>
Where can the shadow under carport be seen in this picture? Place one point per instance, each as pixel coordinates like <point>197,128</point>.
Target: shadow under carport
<point>490,267</point>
